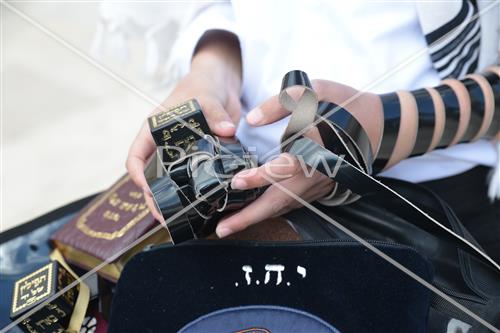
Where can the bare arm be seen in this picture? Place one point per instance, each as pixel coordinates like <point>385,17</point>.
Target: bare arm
<point>214,80</point>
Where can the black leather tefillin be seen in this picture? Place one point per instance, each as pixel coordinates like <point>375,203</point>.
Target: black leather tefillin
<point>192,171</point>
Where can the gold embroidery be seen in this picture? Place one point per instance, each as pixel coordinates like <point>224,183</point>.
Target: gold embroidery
<point>123,205</point>
<point>164,117</point>
<point>109,215</point>
<point>114,200</point>
<point>64,279</point>
<point>191,123</point>
<point>31,290</point>
<point>60,312</point>
<point>166,135</point>
<point>135,194</point>
<point>26,324</point>
<point>47,321</point>
<point>111,196</point>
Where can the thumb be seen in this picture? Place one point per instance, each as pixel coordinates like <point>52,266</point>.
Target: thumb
<point>140,150</point>
<point>218,119</point>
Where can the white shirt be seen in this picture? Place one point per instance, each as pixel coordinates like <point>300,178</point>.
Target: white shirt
<point>352,42</point>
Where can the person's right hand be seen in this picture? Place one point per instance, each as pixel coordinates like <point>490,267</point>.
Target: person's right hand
<point>215,81</point>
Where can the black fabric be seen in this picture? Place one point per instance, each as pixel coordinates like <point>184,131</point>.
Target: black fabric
<point>448,27</point>
<point>466,194</point>
<point>456,273</point>
<point>165,288</point>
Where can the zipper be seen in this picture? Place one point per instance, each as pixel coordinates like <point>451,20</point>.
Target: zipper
<point>323,242</point>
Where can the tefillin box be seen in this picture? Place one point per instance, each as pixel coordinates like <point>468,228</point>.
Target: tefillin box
<point>37,288</point>
<point>177,129</point>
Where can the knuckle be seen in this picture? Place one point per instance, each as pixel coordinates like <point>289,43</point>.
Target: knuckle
<point>316,84</point>
<point>260,177</point>
<point>292,163</point>
<point>320,88</point>
<point>296,166</point>
<point>294,205</point>
<point>210,107</point>
<point>280,204</point>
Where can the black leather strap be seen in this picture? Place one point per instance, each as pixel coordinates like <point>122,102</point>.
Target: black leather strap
<point>361,183</point>
<point>452,110</point>
<point>392,116</point>
<point>205,175</point>
<point>477,109</point>
<point>349,139</point>
<point>356,138</point>
<point>426,121</point>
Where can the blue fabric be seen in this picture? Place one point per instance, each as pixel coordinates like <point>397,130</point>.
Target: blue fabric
<point>259,319</point>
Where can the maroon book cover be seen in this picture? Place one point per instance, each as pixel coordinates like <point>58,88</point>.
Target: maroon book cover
<point>107,225</point>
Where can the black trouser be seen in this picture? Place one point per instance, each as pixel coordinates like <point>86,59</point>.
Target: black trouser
<point>467,194</point>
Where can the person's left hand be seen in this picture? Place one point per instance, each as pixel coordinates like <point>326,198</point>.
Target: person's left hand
<point>286,170</point>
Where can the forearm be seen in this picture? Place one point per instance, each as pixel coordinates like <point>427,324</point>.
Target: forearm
<point>456,111</point>
<point>218,55</point>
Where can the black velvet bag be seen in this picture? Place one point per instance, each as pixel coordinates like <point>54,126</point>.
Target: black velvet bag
<point>244,286</point>
<point>458,274</point>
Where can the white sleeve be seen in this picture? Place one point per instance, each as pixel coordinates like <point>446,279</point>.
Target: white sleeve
<point>215,16</point>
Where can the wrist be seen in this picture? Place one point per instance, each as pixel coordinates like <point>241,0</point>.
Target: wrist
<point>218,57</point>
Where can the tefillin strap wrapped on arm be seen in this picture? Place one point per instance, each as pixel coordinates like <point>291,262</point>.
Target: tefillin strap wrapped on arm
<point>455,111</point>
<point>346,157</point>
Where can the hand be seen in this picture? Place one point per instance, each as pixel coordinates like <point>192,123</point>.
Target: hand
<point>215,81</point>
<point>286,171</point>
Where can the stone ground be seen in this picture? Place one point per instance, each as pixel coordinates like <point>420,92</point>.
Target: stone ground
<point>66,126</point>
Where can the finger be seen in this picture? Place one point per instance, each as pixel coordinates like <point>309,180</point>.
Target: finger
<point>233,108</point>
<point>273,202</point>
<point>272,110</point>
<point>140,150</point>
<point>281,168</point>
<point>323,187</point>
<point>218,119</point>
<point>148,197</point>
<point>266,113</point>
